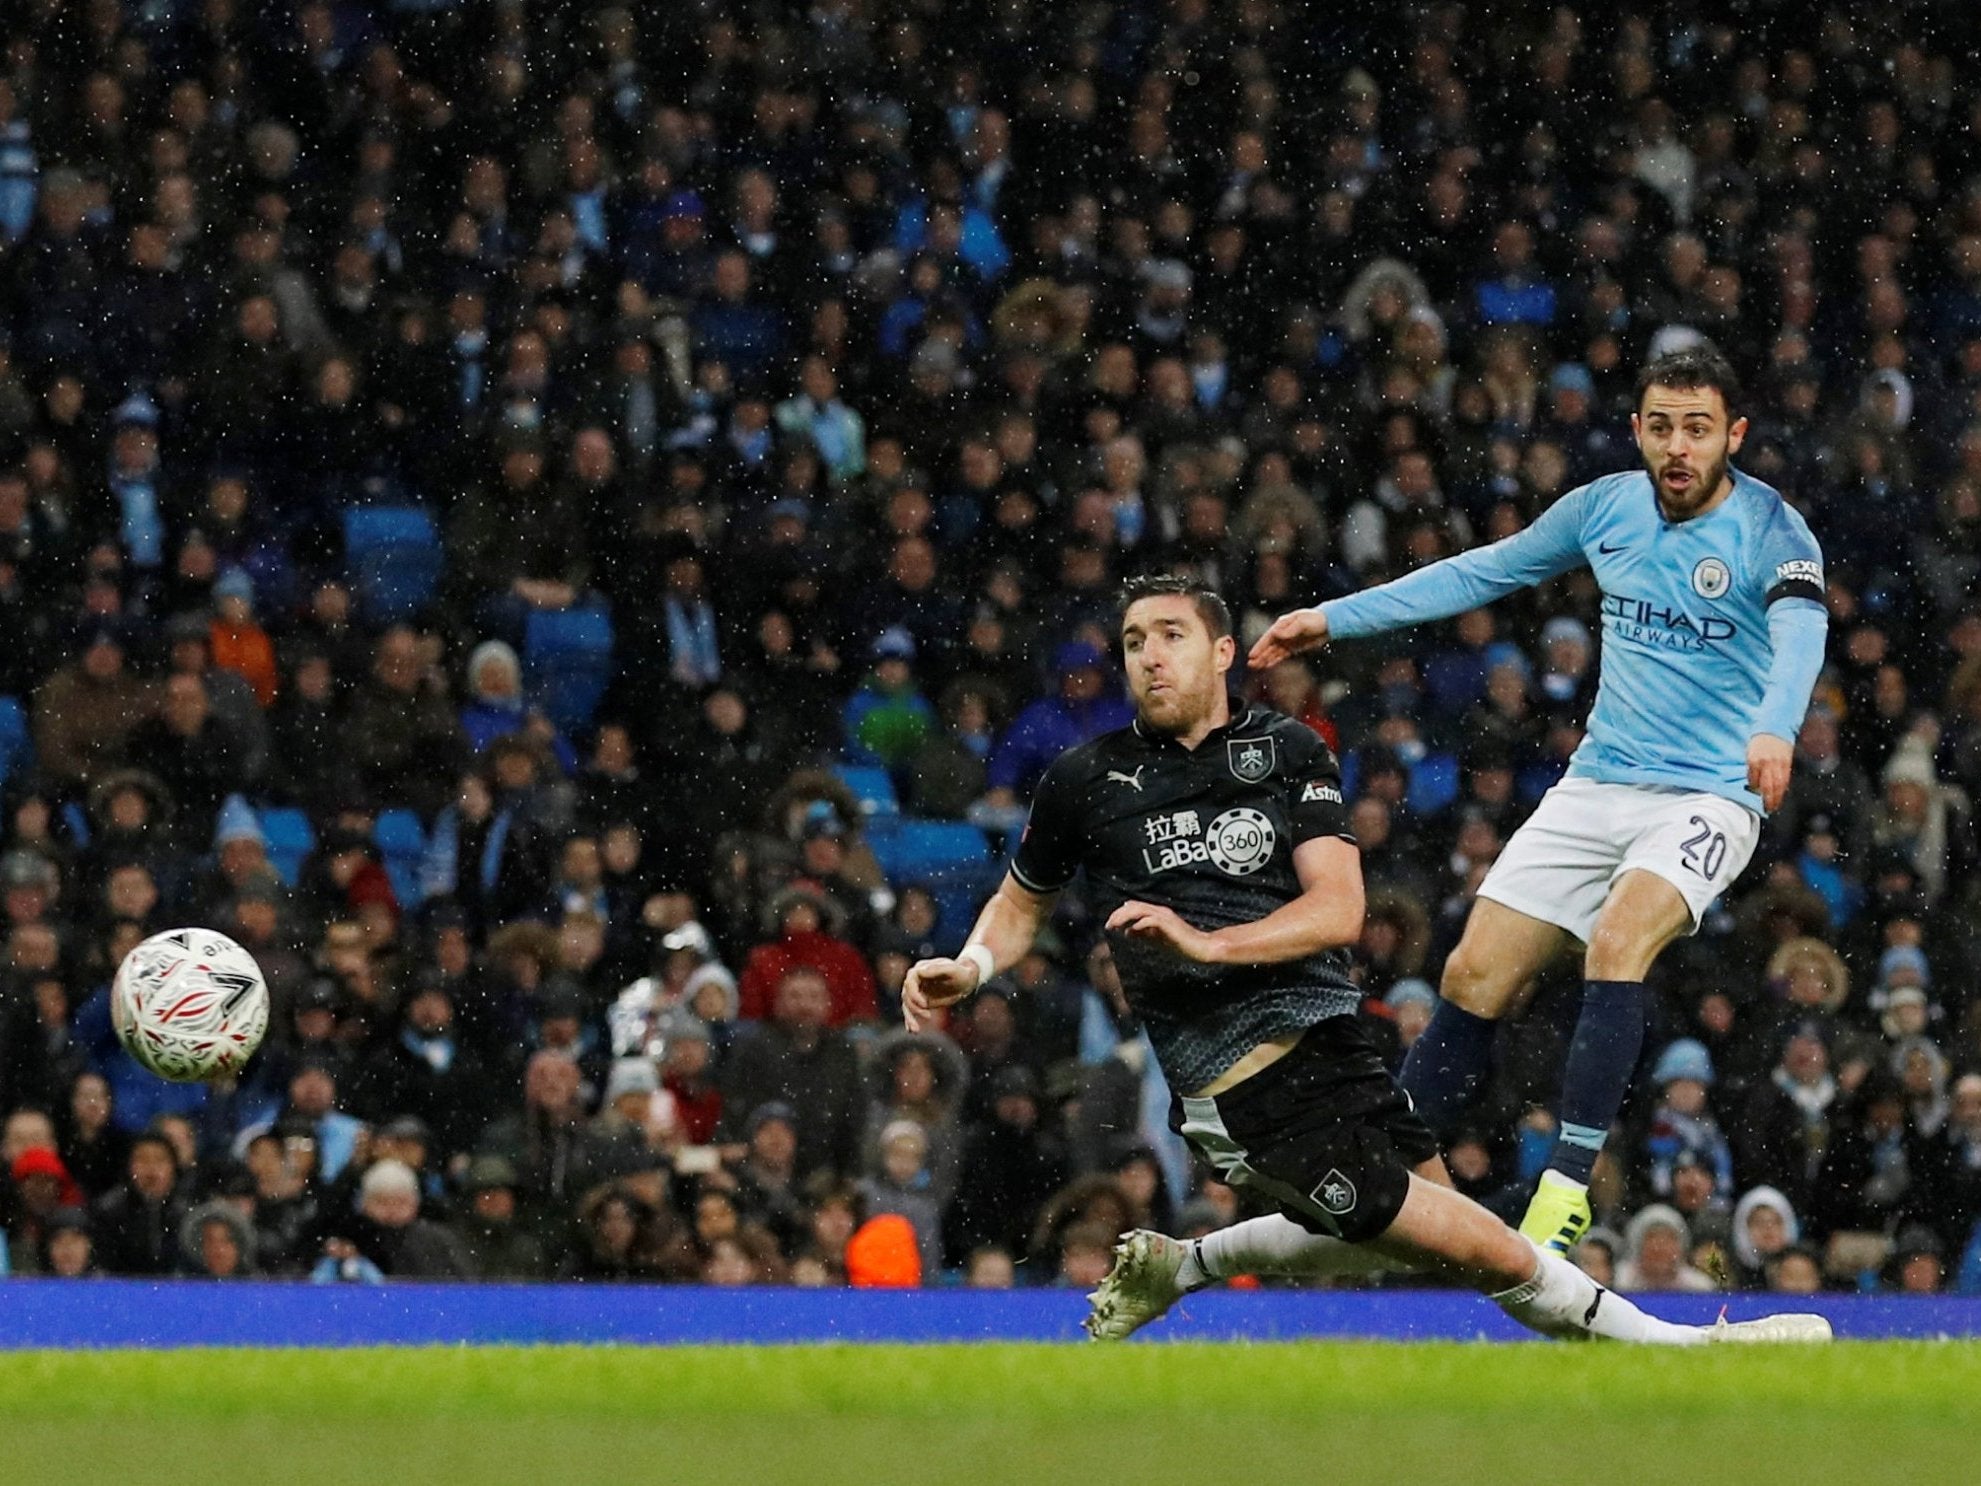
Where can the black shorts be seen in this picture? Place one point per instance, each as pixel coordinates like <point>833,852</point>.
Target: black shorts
<point>1326,1134</point>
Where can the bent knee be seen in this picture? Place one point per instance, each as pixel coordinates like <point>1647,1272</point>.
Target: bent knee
<point>1625,949</point>
<point>1644,914</point>
<point>1472,983</point>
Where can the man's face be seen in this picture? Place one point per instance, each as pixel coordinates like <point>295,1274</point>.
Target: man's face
<point>312,1092</point>
<point>775,1145</point>
<point>398,664</point>
<point>431,1013</point>
<point>69,1252</point>
<point>1692,1187</point>
<point>1661,1253</point>
<point>33,946</point>
<point>551,1082</point>
<point>218,1252</point>
<point>1806,1059</point>
<point>1686,440</point>
<point>26,1130</point>
<point>392,1209</point>
<point>185,705</point>
<point>1082,684</point>
<point>131,892</point>
<point>1686,1095</point>
<point>103,660</point>
<point>824,854</point>
<point>452,952</point>
<point>152,1170</point>
<point>913,565</point>
<point>1176,669</point>
<point>240,858</point>
<point>582,865</point>
<point>803,1000</point>
<point>26,903</point>
<point>135,448</point>
<point>495,679</point>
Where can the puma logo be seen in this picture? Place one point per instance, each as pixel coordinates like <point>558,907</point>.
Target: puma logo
<point>1589,1316</point>
<point>1115,776</point>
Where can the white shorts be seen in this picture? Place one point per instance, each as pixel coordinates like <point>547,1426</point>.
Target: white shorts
<point>1584,835</point>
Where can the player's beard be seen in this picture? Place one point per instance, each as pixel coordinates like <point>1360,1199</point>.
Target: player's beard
<point>1175,710</point>
<point>1706,482</point>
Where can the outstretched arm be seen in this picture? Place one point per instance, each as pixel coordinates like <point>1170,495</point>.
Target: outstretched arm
<point>1548,548</point>
<point>1004,932</point>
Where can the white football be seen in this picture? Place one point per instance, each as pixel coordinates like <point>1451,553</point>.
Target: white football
<point>190,1005</point>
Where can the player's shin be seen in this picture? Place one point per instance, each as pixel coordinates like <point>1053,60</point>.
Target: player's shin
<point>1274,1245</point>
<point>1446,1064</point>
<point>1561,1301</point>
<point>1609,1034</point>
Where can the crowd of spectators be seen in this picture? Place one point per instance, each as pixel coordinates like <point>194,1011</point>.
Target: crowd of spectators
<point>848,352</point>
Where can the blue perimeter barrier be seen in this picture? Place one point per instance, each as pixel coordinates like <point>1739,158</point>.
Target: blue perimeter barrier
<point>133,1313</point>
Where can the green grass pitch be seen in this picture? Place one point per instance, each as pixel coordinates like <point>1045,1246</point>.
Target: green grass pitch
<point>1360,1414</point>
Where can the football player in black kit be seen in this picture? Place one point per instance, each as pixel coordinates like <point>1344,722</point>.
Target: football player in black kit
<point>1214,838</point>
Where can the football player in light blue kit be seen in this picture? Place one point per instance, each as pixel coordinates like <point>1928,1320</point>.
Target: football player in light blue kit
<point>1713,630</point>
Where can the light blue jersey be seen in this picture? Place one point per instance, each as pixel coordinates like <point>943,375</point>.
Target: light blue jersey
<point>1713,628</point>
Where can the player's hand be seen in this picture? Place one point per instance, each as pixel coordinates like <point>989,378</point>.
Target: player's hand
<point>1303,629</point>
<point>1768,762</point>
<point>932,985</point>
<point>1165,927</point>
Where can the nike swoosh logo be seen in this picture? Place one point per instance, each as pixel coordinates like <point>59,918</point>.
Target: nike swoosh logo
<point>1606,550</point>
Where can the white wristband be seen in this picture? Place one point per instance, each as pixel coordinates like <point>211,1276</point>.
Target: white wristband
<point>976,954</point>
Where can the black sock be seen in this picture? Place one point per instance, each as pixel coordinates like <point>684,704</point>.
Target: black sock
<point>1609,1034</point>
<point>1445,1066</point>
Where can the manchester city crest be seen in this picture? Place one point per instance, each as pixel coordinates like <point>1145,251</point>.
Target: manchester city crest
<point>1710,579</point>
<point>1251,759</point>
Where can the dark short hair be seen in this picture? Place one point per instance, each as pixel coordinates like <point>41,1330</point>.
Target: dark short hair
<point>1693,368</point>
<point>1211,607</point>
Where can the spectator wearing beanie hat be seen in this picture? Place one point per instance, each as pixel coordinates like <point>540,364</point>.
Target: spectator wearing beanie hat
<point>237,641</point>
<point>1656,1244</point>
<point>388,1232</point>
<point>42,1187</point>
<point>1764,1226</point>
<point>1683,1121</point>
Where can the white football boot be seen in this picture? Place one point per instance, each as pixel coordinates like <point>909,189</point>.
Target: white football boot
<point>1141,1286</point>
<point>1786,1328</point>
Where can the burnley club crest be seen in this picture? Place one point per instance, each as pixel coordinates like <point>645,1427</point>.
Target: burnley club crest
<point>1251,759</point>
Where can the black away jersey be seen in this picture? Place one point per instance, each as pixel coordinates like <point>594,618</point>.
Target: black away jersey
<point>1209,833</point>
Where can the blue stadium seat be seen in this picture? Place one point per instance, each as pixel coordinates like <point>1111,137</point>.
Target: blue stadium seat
<point>1434,783</point>
<point>393,558</point>
<point>16,743</point>
<point>567,662</point>
<point>401,840</point>
<point>914,850</point>
<point>952,859</point>
<point>874,789</point>
<point>289,840</point>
